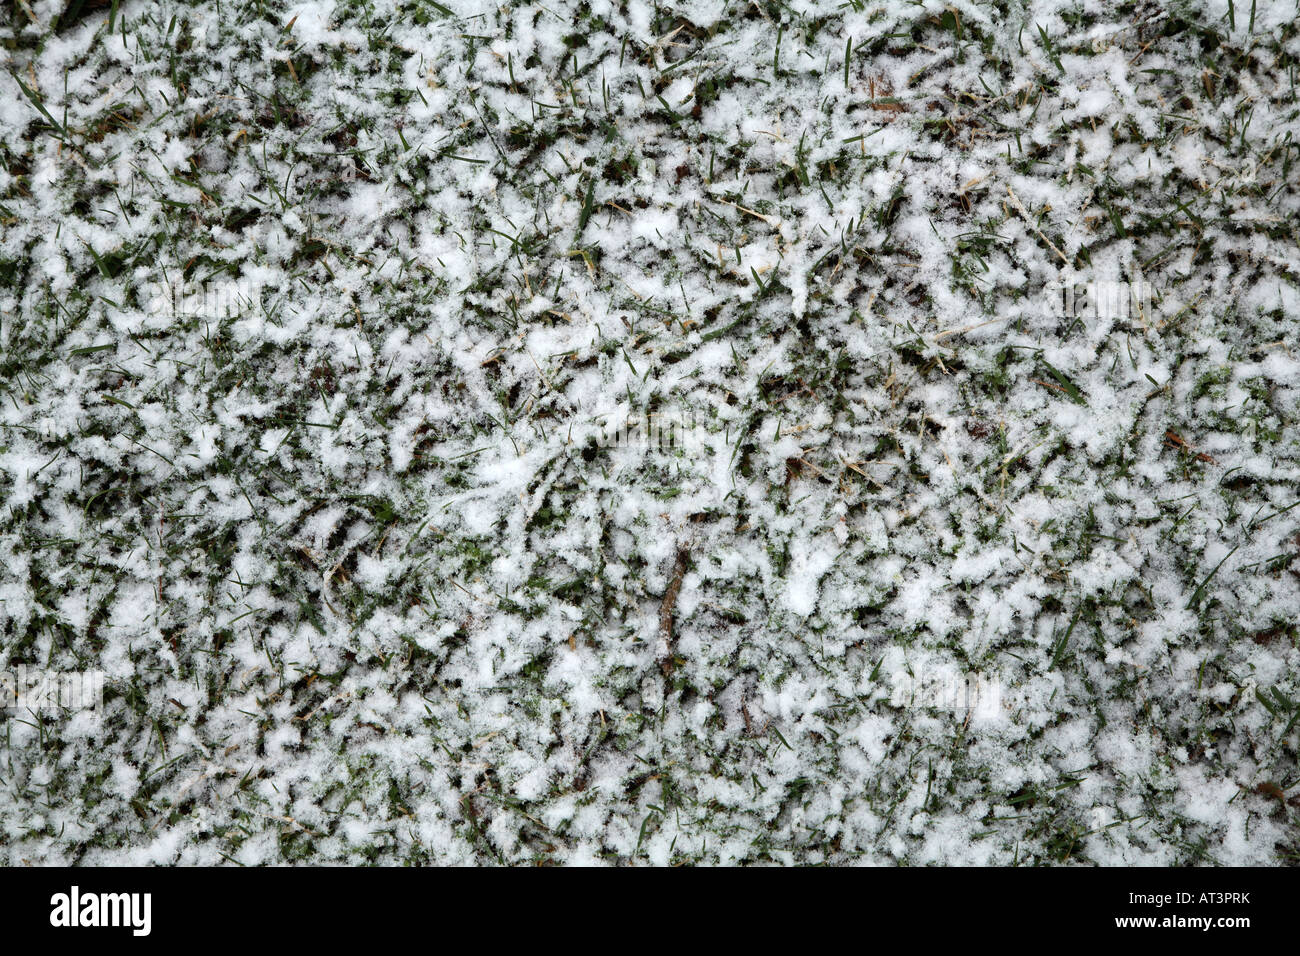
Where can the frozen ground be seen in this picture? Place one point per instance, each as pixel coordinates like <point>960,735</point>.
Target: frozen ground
<point>321,325</point>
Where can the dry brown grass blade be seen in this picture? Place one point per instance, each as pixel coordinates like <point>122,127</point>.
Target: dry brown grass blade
<point>667,605</point>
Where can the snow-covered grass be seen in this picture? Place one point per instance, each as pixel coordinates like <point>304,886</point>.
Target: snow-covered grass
<point>321,324</point>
